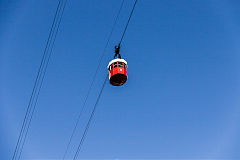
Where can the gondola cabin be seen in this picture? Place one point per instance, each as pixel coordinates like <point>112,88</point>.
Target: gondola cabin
<point>117,69</point>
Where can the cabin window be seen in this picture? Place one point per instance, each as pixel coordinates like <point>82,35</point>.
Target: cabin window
<point>110,67</point>
<point>120,64</point>
<point>125,66</point>
<point>115,64</point>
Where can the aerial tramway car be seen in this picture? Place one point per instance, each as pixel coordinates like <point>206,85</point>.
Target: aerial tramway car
<point>117,69</point>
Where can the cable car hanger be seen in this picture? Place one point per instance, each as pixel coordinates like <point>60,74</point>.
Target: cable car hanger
<point>117,50</point>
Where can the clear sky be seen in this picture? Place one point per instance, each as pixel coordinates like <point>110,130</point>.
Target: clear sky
<point>181,99</point>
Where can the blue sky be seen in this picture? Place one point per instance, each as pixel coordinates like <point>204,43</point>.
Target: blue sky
<point>181,100</point>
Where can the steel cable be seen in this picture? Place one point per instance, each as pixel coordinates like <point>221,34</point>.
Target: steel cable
<point>94,77</point>
<point>99,96</point>
<point>90,119</point>
<point>130,16</point>
<point>30,110</point>
<point>42,78</point>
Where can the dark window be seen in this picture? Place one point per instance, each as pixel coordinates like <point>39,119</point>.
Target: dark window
<point>115,64</point>
<point>125,66</point>
<point>120,64</point>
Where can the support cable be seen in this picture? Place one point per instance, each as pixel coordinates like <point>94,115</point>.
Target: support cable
<point>99,96</point>
<point>35,86</point>
<point>94,77</point>
<point>130,16</point>
<point>89,121</point>
<point>42,78</point>
<point>30,110</point>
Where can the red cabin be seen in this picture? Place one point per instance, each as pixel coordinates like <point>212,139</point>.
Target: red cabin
<point>117,69</point>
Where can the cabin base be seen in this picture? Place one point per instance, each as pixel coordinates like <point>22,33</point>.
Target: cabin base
<point>118,79</point>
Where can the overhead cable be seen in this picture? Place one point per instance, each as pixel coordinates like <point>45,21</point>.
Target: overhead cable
<point>91,85</point>
<point>129,18</point>
<point>89,121</point>
<point>39,80</point>
<point>99,96</point>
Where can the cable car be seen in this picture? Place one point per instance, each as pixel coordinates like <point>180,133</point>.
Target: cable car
<point>117,69</point>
